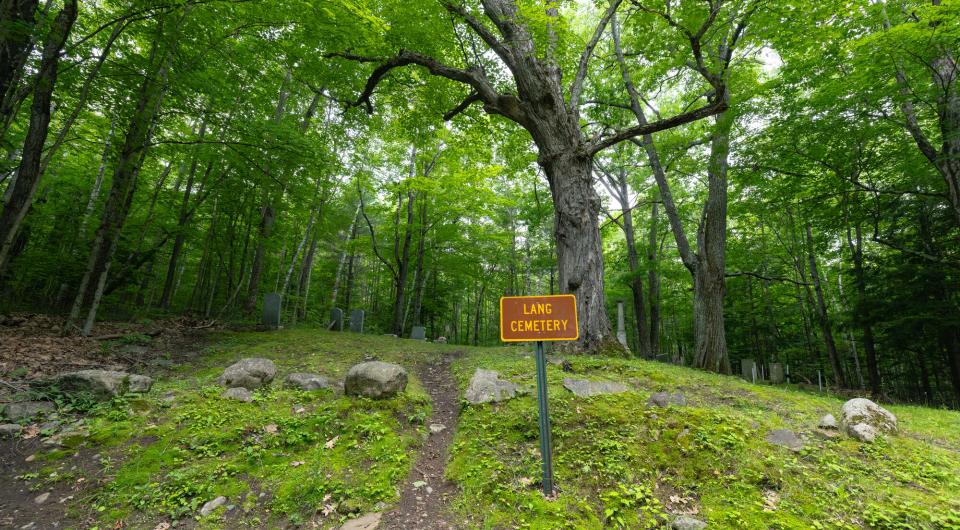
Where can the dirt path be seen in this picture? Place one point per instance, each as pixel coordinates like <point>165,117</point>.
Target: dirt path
<point>426,493</point>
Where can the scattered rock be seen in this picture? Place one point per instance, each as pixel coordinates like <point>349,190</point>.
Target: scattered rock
<point>238,393</point>
<point>369,521</point>
<point>437,428</point>
<point>665,399</point>
<point>585,388</point>
<point>305,381</point>
<point>349,506</point>
<point>441,340</point>
<point>375,379</point>
<point>828,422</point>
<point>486,387</point>
<point>210,506</point>
<point>785,438</point>
<point>104,384</point>
<point>42,498</point>
<point>863,411</point>
<point>27,409</point>
<point>862,432</point>
<point>685,522</point>
<point>69,438</point>
<point>250,373</point>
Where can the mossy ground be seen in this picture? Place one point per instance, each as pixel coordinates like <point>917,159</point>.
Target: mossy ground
<point>295,459</point>
<point>619,463</point>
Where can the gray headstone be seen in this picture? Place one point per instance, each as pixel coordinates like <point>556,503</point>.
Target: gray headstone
<point>418,333</point>
<point>621,331</point>
<point>776,373</point>
<point>336,319</point>
<point>356,320</point>
<point>271,310</point>
<point>746,368</point>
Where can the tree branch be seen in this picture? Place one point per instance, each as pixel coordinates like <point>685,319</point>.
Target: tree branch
<point>577,86</point>
<point>717,106</point>
<point>469,100</point>
<point>762,277</point>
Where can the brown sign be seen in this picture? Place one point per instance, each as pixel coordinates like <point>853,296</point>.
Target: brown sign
<point>535,318</point>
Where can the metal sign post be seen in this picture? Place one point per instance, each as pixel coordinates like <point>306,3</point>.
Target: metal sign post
<point>536,319</point>
<point>546,442</point>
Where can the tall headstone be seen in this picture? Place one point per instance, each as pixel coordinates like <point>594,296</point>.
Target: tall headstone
<point>356,320</point>
<point>271,310</point>
<point>336,319</point>
<point>747,366</point>
<point>418,333</point>
<point>621,331</point>
<point>776,373</point>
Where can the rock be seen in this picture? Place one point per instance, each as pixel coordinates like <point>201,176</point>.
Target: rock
<point>375,379</point>
<point>369,521</point>
<point>304,381</point>
<point>441,340</point>
<point>104,384</point>
<point>27,409</point>
<point>238,393</point>
<point>210,506</point>
<point>349,506</point>
<point>10,430</point>
<point>685,522</point>
<point>862,432</point>
<point>42,498</point>
<point>863,411</point>
<point>828,422</point>
<point>665,399</point>
<point>487,387</point>
<point>585,388</point>
<point>564,364</point>
<point>437,428</point>
<point>250,373</point>
<point>785,438</point>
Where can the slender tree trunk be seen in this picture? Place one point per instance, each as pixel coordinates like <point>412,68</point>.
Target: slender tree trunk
<point>98,182</point>
<point>823,314</point>
<point>28,173</point>
<point>420,281</point>
<point>861,316</point>
<point>653,274</point>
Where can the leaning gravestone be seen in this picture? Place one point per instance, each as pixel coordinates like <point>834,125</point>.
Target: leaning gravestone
<point>418,333</point>
<point>776,373</point>
<point>356,321</point>
<point>271,310</point>
<point>336,319</point>
<point>621,329</point>
<point>747,366</point>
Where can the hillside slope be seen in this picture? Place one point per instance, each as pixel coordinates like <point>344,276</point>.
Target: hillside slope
<point>318,459</point>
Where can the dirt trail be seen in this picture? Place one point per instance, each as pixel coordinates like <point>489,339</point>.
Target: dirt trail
<point>426,507</point>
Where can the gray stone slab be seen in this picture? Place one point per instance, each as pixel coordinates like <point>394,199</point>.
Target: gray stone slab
<point>418,333</point>
<point>356,320</point>
<point>271,310</point>
<point>776,373</point>
<point>585,388</point>
<point>746,369</point>
<point>336,319</point>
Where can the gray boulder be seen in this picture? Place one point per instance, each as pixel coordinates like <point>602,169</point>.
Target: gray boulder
<point>487,387</point>
<point>104,384</point>
<point>665,399</point>
<point>369,521</point>
<point>862,432</point>
<point>210,506</point>
<point>784,438</point>
<point>375,379</point>
<point>10,430</point>
<point>250,373</point>
<point>685,522</point>
<point>828,422</point>
<point>585,388</point>
<point>305,381</point>
<point>863,411</point>
<point>27,409</point>
<point>238,393</point>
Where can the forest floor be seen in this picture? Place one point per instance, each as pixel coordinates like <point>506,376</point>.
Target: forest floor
<point>295,459</point>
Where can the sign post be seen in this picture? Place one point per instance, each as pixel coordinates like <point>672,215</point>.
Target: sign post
<point>540,318</point>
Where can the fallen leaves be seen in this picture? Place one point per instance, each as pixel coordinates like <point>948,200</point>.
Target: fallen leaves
<point>162,526</point>
<point>32,431</point>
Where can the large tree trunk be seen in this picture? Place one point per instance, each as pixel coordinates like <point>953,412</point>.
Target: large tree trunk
<point>824,317</point>
<point>709,279</point>
<point>579,248</point>
<point>24,187</point>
